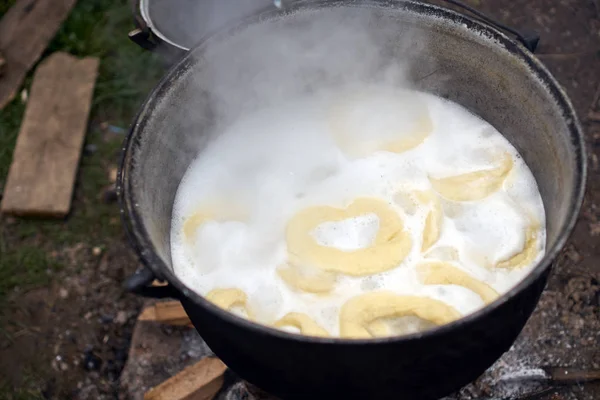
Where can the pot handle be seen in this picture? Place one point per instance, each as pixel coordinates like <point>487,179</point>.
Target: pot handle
<point>528,39</point>
<point>142,38</point>
<point>140,283</point>
<point>142,35</point>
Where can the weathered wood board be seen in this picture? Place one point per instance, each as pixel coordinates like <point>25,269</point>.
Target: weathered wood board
<point>166,312</point>
<point>42,174</point>
<point>201,381</point>
<point>25,31</point>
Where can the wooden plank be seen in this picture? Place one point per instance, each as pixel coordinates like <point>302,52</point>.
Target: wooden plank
<point>42,174</point>
<point>25,31</point>
<point>166,312</point>
<point>201,381</point>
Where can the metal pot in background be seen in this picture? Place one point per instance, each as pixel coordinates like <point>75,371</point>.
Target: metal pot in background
<point>467,62</point>
<point>178,25</point>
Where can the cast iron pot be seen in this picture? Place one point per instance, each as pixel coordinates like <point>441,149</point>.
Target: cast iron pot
<point>465,61</point>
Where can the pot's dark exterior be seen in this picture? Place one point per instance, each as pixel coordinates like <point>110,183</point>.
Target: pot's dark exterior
<point>475,66</point>
<point>427,368</point>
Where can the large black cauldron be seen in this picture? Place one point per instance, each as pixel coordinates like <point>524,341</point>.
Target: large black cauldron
<point>450,55</point>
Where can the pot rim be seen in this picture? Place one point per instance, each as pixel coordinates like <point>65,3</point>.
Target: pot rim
<point>139,238</point>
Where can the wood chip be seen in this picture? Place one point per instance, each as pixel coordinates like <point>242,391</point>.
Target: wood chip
<point>201,381</point>
<point>113,173</point>
<point>42,174</point>
<point>25,31</point>
<point>166,312</point>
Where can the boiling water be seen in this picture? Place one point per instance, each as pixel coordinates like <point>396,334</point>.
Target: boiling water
<point>325,152</point>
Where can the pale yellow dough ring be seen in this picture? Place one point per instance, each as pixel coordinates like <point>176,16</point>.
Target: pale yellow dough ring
<point>434,220</point>
<point>303,322</point>
<point>527,255</point>
<point>359,312</point>
<point>210,213</point>
<point>476,185</point>
<point>229,298</point>
<point>441,273</point>
<point>319,282</point>
<point>390,247</point>
<point>341,123</point>
<point>378,328</point>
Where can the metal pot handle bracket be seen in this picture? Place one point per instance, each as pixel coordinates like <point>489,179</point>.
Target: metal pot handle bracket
<point>529,39</point>
<point>140,283</point>
<point>142,35</point>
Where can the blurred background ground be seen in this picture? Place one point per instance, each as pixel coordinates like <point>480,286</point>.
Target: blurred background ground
<point>65,322</point>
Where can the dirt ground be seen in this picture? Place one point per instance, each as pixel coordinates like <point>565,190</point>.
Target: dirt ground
<point>68,338</point>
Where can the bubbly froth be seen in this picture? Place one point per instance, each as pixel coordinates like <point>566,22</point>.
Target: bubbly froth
<point>305,210</point>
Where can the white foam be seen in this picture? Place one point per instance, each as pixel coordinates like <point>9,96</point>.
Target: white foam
<point>348,234</point>
<point>276,162</point>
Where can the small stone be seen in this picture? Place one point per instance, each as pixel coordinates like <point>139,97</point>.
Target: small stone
<point>121,318</point>
<point>96,251</point>
<point>91,362</point>
<point>90,149</point>
<point>88,315</point>
<point>63,293</point>
<point>24,95</point>
<point>106,318</point>
<point>64,366</point>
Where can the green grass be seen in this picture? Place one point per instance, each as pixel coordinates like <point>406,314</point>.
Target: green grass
<point>24,266</point>
<point>127,73</point>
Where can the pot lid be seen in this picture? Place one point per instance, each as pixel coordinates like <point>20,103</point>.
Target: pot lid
<point>183,23</point>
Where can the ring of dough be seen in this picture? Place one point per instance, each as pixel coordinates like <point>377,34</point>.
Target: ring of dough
<point>342,121</point>
<point>210,213</point>
<point>390,246</point>
<point>378,328</point>
<point>307,281</point>
<point>357,313</point>
<point>434,220</point>
<point>474,185</point>
<point>303,322</point>
<point>527,255</point>
<point>229,298</point>
<point>441,273</point>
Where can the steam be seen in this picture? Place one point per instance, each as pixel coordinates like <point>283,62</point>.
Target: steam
<point>274,57</point>
<point>307,52</point>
